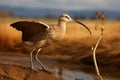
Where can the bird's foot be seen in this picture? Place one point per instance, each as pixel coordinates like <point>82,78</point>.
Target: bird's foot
<point>34,69</point>
<point>43,69</point>
<point>48,71</point>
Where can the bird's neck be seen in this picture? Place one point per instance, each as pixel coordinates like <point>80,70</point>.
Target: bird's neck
<point>62,25</point>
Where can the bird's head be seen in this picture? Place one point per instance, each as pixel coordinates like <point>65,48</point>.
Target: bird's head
<point>66,18</point>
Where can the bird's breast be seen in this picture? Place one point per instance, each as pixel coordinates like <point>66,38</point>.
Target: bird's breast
<point>56,34</point>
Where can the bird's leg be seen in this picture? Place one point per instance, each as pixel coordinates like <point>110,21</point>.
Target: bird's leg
<point>31,60</point>
<point>36,57</point>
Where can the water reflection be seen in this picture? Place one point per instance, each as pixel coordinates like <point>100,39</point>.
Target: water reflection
<point>75,75</point>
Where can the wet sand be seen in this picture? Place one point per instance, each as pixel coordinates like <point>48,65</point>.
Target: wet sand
<point>17,72</point>
<point>17,68</point>
<point>52,65</point>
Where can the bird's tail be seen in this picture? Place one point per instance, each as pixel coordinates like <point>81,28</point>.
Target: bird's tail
<point>23,44</point>
<point>18,45</point>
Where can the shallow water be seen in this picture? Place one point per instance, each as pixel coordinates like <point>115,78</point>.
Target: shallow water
<point>67,74</point>
<point>72,75</point>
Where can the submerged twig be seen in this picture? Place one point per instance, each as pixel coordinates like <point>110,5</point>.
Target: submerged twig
<point>94,57</point>
<point>94,49</point>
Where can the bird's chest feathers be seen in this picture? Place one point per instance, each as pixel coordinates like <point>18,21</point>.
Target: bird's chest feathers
<point>57,33</point>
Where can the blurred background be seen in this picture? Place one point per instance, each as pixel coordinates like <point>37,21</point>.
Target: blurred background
<point>75,48</point>
<point>53,8</point>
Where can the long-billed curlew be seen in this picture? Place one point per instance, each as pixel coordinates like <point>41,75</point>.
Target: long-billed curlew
<point>38,34</point>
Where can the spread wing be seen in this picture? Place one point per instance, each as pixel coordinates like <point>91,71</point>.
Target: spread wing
<point>31,30</point>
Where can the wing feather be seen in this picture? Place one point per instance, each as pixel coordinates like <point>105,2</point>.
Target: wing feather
<point>31,30</point>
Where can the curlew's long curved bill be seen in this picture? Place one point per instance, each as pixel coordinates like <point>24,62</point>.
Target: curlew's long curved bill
<point>83,25</point>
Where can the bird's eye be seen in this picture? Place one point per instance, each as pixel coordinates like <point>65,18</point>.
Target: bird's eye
<point>67,17</point>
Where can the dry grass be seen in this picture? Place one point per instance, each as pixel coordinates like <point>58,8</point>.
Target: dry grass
<point>77,40</point>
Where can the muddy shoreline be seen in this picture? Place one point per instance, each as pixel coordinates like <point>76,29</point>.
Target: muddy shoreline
<point>17,72</point>
<point>53,64</point>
